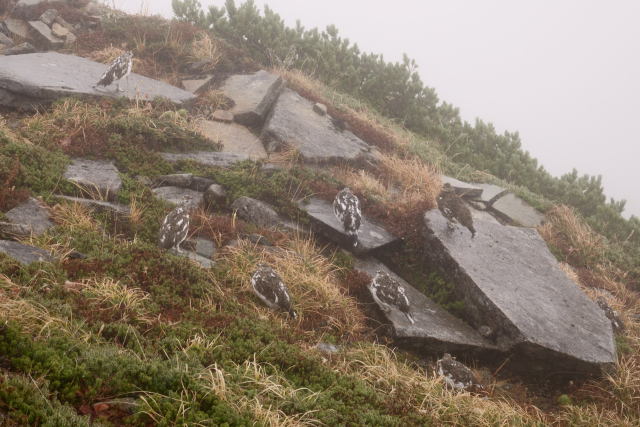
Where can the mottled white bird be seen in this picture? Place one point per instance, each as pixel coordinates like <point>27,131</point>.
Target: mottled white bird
<point>456,375</point>
<point>268,286</point>
<point>389,294</point>
<point>175,226</point>
<point>346,207</point>
<point>119,69</point>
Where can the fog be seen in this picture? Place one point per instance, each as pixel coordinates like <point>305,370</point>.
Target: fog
<point>565,75</point>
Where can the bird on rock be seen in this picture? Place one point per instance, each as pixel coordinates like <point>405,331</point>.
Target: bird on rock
<point>456,375</point>
<point>346,208</point>
<point>271,290</point>
<point>389,294</point>
<point>119,69</point>
<point>175,226</point>
<point>455,209</point>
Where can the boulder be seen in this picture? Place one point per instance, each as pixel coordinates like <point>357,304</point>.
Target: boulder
<point>183,180</point>
<point>24,254</point>
<point>205,247</point>
<point>53,75</point>
<point>10,230</point>
<point>235,139</point>
<point>509,281</point>
<point>197,85</point>
<point>515,211</point>
<point>200,183</point>
<point>435,330</point>
<point>43,36</point>
<point>256,212</point>
<point>17,28</point>
<point>33,215</point>
<point>223,116</point>
<point>206,158</point>
<point>253,95</point>
<point>215,196</point>
<point>463,189</point>
<point>174,195</point>
<point>371,237</point>
<point>294,124</point>
<point>98,178</point>
<point>59,31</point>
<point>49,16</point>
<point>490,192</point>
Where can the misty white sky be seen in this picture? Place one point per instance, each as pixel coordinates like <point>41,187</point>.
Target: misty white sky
<point>565,74</point>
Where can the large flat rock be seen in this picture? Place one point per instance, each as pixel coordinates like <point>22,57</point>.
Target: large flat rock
<point>516,211</point>
<point>253,95</point>
<point>54,75</point>
<point>17,28</point>
<point>294,124</point>
<point>98,178</point>
<point>490,192</point>
<point>435,330</point>
<point>24,254</point>
<point>118,210</point>
<point>175,195</point>
<point>510,282</point>
<point>31,214</point>
<point>43,35</point>
<point>235,139</point>
<point>371,237</point>
<point>463,189</point>
<point>206,158</point>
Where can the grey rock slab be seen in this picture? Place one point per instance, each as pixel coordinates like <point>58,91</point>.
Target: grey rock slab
<point>294,124</point>
<point>49,16</point>
<point>196,86</point>
<point>518,212</point>
<point>174,195</point>
<point>174,180</point>
<point>482,215</point>
<point>32,214</point>
<point>206,158</point>
<point>54,75</point>
<point>223,116</point>
<point>43,35</point>
<point>509,281</point>
<point>253,95</point>
<point>17,28</point>
<point>490,192</point>
<point>98,178</point>
<point>463,189</point>
<point>215,196</point>
<point>198,259</point>
<point>235,139</point>
<point>256,212</point>
<point>371,237</point>
<point>200,183</point>
<point>10,230</point>
<point>435,330</point>
<point>24,254</point>
<point>121,211</point>
<point>205,247</point>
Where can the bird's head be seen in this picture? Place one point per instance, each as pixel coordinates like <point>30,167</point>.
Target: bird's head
<point>129,54</point>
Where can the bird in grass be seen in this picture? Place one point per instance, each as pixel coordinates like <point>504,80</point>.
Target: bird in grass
<point>346,207</point>
<point>389,294</point>
<point>456,375</point>
<point>271,290</point>
<point>175,226</point>
<point>616,322</point>
<point>455,209</point>
<point>119,69</point>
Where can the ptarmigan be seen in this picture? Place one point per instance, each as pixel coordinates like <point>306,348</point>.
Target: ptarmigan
<point>454,208</point>
<point>118,70</point>
<point>388,293</point>
<point>346,207</point>
<point>456,375</point>
<point>175,226</point>
<point>268,286</point>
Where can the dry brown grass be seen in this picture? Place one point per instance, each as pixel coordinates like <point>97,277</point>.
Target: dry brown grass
<point>320,301</point>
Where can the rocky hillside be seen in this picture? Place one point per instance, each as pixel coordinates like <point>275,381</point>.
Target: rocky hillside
<point>99,325</point>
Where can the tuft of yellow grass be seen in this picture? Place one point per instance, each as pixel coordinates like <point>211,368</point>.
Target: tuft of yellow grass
<point>126,303</point>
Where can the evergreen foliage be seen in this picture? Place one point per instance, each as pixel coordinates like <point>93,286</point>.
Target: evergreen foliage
<point>396,90</point>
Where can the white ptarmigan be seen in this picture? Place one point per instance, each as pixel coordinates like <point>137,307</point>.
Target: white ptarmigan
<point>346,208</point>
<point>268,286</point>
<point>119,69</point>
<point>175,226</point>
<point>388,293</point>
<point>456,374</point>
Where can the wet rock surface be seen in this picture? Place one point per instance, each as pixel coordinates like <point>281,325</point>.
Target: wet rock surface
<point>294,124</point>
<point>510,282</point>
<point>435,330</point>
<point>235,139</point>
<point>513,209</point>
<point>54,75</point>
<point>253,95</point>
<point>371,237</point>
<point>490,192</point>
<point>24,254</point>
<point>98,178</point>
<point>33,215</point>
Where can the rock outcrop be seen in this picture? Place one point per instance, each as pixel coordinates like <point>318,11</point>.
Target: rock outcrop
<point>99,179</point>
<point>32,215</point>
<point>511,283</point>
<point>235,139</point>
<point>206,158</point>
<point>24,254</point>
<point>174,195</point>
<point>514,210</point>
<point>54,75</point>
<point>253,95</point>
